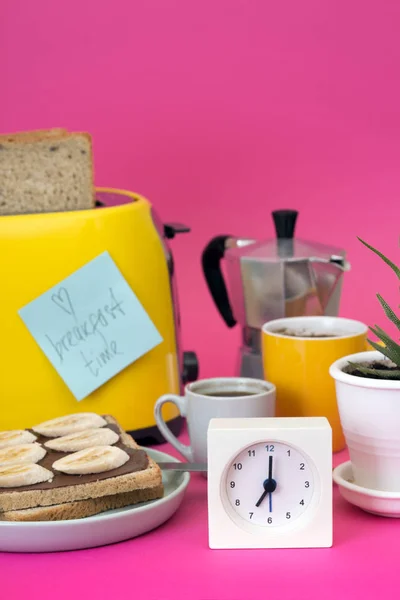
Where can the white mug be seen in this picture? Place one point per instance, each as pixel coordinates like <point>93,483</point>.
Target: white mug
<point>217,397</point>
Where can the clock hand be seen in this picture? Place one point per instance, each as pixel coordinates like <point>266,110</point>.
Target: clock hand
<point>269,486</point>
<point>270,479</point>
<point>261,498</point>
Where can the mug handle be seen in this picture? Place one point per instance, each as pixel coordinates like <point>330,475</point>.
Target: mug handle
<point>180,402</point>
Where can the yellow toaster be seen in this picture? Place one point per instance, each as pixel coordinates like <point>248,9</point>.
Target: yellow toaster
<point>37,251</point>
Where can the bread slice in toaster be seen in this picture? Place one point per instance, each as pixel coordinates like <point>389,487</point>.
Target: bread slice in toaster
<point>139,476</point>
<point>46,171</point>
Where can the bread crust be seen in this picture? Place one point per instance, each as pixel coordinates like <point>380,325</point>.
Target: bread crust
<point>139,480</point>
<point>83,508</point>
<point>32,135</point>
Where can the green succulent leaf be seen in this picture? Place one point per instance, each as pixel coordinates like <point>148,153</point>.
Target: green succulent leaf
<point>385,337</point>
<point>391,348</point>
<point>389,312</point>
<point>382,256</point>
<point>381,373</point>
<point>394,356</point>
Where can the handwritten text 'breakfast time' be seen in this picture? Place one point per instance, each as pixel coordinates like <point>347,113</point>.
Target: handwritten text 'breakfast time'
<point>87,333</point>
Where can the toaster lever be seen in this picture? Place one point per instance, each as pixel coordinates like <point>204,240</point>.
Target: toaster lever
<point>171,229</point>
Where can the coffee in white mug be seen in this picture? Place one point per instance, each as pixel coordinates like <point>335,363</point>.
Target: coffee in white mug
<point>205,399</point>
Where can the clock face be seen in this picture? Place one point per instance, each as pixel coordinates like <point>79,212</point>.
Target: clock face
<point>269,484</point>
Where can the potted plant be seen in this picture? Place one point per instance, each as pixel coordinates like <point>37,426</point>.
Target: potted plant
<point>368,395</point>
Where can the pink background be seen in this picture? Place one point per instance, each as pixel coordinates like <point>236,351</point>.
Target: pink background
<point>220,111</point>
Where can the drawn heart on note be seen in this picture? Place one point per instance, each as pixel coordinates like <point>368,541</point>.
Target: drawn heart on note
<point>63,301</point>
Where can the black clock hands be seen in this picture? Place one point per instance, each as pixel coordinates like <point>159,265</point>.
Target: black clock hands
<point>272,482</point>
<point>269,486</point>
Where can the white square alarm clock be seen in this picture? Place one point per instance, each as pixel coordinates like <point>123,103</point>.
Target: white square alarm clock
<point>270,483</point>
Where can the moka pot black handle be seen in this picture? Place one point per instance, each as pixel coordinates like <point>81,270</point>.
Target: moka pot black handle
<point>211,259</point>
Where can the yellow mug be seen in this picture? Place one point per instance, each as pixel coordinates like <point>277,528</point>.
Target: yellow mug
<point>297,353</point>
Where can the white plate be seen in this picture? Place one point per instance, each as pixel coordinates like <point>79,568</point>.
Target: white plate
<point>385,504</point>
<point>106,528</point>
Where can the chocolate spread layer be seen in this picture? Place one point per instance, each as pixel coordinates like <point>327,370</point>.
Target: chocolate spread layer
<point>138,461</point>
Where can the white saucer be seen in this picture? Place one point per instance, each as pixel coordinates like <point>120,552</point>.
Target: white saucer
<point>385,504</point>
<point>105,528</point>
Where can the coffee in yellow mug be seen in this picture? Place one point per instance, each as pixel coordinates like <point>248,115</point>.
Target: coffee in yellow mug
<point>297,353</point>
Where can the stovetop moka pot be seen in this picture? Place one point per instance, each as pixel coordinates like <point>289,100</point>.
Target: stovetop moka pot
<point>271,279</point>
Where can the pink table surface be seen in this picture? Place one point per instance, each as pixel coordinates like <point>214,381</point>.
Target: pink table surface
<point>174,562</point>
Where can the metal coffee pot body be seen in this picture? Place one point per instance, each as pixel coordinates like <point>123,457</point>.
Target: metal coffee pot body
<point>270,279</point>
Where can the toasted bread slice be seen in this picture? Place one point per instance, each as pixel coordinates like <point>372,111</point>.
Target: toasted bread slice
<point>139,473</point>
<point>46,172</point>
<point>83,508</point>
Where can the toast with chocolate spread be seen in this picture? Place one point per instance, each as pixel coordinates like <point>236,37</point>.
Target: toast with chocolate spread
<point>71,467</point>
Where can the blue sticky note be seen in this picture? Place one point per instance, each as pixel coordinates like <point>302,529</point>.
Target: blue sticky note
<point>90,326</point>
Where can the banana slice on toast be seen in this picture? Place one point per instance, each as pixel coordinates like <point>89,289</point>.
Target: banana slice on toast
<point>97,459</point>
<point>22,454</point>
<point>83,439</point>
<point>15,437</point>
<point>12,476</point>
<point>69,424</point>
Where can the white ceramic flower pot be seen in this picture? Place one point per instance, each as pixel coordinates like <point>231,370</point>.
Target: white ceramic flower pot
<point>369,412</point>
